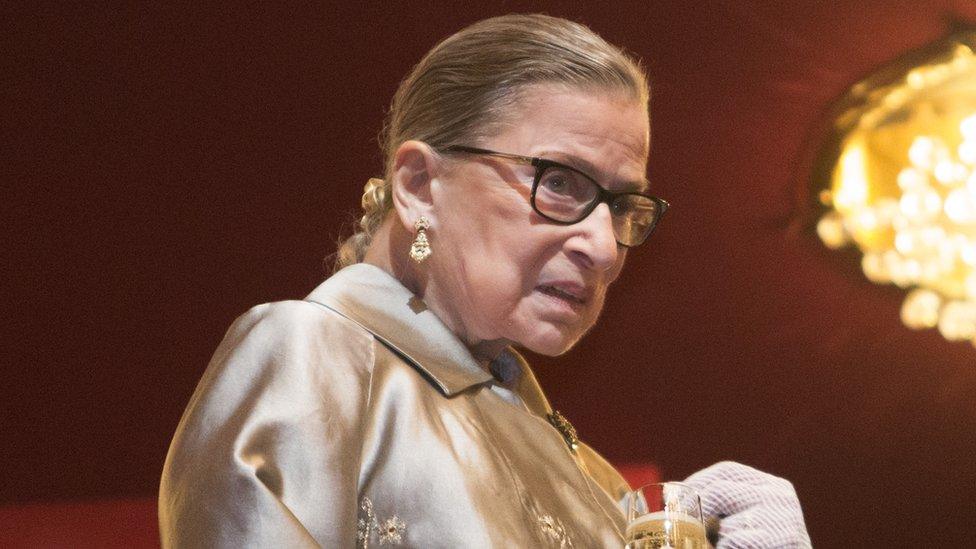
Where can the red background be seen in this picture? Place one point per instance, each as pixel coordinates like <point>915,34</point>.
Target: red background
<point>166,167</point>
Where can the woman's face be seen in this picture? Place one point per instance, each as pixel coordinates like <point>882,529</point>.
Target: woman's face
<point>500,273</point>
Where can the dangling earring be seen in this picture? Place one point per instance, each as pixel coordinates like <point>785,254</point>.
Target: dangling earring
<point>420,249</point>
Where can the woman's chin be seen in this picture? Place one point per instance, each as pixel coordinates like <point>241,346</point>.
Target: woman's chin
<point>551,344</point>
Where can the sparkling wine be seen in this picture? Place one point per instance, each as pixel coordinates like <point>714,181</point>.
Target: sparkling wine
<point>667,530</point>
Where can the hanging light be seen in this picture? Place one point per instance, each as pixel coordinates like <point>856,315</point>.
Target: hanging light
<point>899,182</point>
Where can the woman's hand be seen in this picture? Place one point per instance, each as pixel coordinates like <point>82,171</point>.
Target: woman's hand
<point>746,508</point>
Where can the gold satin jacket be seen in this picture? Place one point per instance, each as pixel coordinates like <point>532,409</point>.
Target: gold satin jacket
<point>355,418</point>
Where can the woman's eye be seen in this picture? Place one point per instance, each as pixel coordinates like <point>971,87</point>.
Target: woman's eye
<point>555,184</point>
<point>561,182</point>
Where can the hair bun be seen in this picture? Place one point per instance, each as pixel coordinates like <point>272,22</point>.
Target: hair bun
<point>373,194</point>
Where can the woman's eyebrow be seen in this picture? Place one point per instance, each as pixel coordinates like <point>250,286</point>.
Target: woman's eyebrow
<point>639,186</point>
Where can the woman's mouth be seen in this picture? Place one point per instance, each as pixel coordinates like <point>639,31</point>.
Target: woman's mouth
<point>569,295</point>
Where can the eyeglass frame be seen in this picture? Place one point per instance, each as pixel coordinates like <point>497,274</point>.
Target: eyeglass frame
<point>542,164</point>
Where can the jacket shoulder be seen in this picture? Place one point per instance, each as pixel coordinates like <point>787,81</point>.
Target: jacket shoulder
<point>292,345</point>
<point>294,317</point>
<point>294,325</point>
<point>266,452</point>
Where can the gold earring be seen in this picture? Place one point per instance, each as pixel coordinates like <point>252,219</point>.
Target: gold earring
<point>420,249</point>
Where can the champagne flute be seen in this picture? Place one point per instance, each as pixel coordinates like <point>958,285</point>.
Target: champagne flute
<point>665,516</point>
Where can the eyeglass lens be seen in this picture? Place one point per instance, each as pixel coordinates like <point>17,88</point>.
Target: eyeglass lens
<point>568,196</point>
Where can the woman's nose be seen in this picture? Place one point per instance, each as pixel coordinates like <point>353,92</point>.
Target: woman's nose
<point>595,243</point>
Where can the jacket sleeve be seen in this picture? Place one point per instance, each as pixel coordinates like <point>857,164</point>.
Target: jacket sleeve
<point>267,453</point>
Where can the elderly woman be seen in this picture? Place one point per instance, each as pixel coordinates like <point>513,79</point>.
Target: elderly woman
<point>390,407</point>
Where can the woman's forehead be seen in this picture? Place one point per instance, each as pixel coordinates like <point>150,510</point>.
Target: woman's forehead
<point>588,114</point>
<point>603,132</point>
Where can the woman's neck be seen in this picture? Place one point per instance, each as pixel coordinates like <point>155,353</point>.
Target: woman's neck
<point>388,251</point>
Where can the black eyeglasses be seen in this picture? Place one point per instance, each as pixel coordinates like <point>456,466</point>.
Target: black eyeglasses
<point>565,195</point>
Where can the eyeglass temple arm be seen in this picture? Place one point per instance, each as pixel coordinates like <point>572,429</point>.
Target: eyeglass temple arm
<point>475,150</point>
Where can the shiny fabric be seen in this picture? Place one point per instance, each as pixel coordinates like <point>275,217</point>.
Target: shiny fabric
<point>356,418</point>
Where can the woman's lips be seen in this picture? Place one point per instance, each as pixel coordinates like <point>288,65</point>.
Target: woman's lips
<point>573,296</point>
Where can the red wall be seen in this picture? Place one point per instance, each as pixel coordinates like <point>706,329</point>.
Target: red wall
<point>165,168</point>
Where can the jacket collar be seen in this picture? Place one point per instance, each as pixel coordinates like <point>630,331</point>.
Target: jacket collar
<point>512,371</point>
<point>377,301</point>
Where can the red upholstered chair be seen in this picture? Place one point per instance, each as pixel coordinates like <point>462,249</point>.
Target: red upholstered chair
<point>639,474</point>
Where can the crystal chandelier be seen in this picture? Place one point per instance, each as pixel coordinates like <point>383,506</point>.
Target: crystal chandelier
<point>898,180</point>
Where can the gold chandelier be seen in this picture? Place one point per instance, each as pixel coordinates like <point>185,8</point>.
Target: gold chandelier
<point>898,180</point>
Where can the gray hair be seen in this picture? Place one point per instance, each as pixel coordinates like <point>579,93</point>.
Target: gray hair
<point>462,90</point>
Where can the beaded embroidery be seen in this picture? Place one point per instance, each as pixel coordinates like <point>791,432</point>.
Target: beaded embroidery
<point>554,530</point>
<point>390,531</point>
<point>365,523</point>
<point>565,428</point>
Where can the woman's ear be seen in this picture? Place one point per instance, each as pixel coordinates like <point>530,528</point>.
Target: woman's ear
<point>414,166</point>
